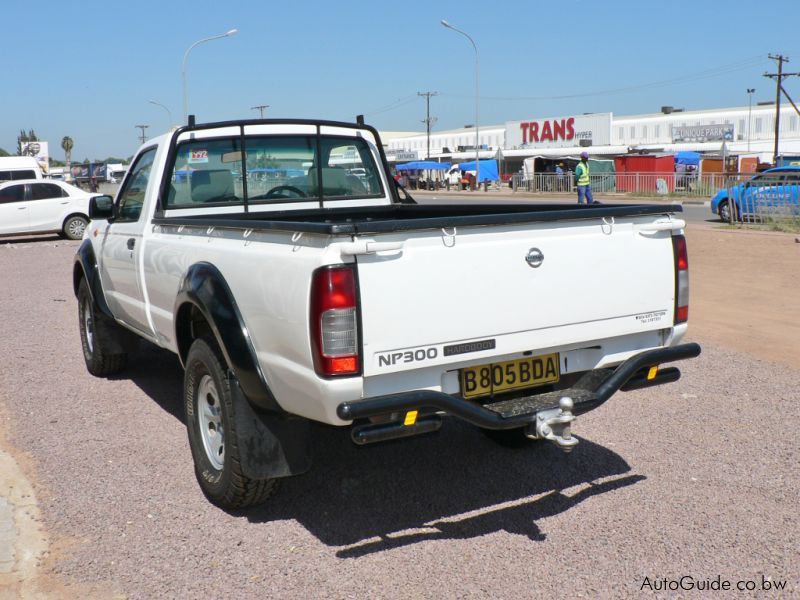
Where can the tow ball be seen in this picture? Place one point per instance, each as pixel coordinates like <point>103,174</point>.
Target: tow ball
<point>554,425</point>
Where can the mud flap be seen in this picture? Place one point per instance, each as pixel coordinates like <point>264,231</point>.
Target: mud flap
<point>113,338</point>
<point>270,445</point>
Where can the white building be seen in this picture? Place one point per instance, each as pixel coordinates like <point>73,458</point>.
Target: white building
<point>743,130</point>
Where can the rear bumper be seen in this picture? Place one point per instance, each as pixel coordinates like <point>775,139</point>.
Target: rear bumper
<point>593,389</point>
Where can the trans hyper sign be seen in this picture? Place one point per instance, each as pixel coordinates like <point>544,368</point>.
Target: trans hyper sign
<point>548,131</point>
<point>594,129</point>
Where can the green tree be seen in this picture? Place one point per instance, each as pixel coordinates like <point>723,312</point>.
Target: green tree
<point>24,137</point>
<point>3,152</point>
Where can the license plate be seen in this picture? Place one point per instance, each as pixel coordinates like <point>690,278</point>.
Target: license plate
<point>508,376</point>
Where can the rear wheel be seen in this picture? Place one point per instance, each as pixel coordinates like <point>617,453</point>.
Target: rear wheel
<point>99,361</point>
<point>74,227</point>
<point>210,423</point>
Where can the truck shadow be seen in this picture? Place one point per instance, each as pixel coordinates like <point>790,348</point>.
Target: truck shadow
<point>455,484</point>
<point>28,239</point>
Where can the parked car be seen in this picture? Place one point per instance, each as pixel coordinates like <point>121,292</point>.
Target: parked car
<point>772,191</point>
<point>13,168</point>
<point>43,206</point>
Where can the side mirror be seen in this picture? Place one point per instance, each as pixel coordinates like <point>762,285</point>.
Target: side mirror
<point>101,207</point>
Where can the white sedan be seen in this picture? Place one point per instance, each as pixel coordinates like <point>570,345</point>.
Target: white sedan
<point>43,206</point>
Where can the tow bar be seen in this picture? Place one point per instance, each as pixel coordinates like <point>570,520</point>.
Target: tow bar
<point>554,425</point>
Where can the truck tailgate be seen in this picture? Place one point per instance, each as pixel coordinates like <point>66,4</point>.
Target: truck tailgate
<point>450,296</point>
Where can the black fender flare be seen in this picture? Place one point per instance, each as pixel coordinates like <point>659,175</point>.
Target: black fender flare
<point>204,288</point>
<point>85,265</point>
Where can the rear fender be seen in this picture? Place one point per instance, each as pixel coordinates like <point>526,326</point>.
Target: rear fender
<point>204,288</point>
<point>272,442</point>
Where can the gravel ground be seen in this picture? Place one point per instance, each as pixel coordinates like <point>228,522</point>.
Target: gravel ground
<point>697,478</point>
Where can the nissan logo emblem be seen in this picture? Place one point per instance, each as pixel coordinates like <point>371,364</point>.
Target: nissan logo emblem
<point>535,258</point>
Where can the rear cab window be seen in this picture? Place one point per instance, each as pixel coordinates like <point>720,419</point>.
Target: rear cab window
<point>270,172</point>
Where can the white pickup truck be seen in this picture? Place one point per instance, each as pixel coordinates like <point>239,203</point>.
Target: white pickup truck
<point>294,291</point>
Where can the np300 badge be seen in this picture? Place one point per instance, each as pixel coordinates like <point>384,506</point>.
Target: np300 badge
<point>535,258</point>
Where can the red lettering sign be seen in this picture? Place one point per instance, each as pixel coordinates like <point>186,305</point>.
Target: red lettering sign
<point>548,131</point>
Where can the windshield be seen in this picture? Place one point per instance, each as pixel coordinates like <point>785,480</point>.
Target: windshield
<point>272,169</point>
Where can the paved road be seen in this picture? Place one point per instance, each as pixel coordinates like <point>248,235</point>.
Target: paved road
<point>697,479</point>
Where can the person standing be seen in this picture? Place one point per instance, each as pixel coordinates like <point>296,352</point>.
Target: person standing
<point>582,180</point>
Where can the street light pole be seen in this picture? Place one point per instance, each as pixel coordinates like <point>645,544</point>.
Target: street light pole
<point>477,99</point>
<point>169,112</point>
<point>750,92</point>
<point>183,67</point>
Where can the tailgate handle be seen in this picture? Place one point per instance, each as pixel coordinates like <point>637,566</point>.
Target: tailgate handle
<point>671,225</point>
<point>369,247</point>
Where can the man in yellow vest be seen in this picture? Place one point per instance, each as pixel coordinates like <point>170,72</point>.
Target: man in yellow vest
<point>582,180</point>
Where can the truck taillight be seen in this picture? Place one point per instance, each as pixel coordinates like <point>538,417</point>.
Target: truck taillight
<point>681,279</point>
<point>334,321</point>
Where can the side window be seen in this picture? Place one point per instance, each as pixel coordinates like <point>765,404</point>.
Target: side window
<point>44,191</point>
<point>131,197</point>
<point>13,193</point>
<point>793,178</point>
<point>5,175</point>
<point>768,179</point>
<point>26,174</point>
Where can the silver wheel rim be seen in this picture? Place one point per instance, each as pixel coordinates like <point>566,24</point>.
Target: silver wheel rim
<point>723,212</point>
<point>210,422</point>
<point>76,227</point>
<point>88,326</point>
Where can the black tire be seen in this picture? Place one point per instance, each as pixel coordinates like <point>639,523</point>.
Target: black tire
<point>509,438</point>
<point>722,210</point>
<point>99,362</point>
<point>208,405</point>
<point>74,227</point>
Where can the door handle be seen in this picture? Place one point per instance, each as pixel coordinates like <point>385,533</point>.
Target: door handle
<point>131,243</point>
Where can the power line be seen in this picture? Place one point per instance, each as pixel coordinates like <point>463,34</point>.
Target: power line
<point>707,74</point>
<point>394,105</point>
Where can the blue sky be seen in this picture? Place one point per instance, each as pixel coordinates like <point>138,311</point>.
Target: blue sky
<point>88,69</point>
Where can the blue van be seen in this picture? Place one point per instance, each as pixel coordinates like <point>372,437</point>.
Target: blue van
<point>772,191</point>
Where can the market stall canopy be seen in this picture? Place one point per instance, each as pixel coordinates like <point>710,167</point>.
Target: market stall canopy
<point>424,165</point>
<point>488,169</point>
<point>687,158</point>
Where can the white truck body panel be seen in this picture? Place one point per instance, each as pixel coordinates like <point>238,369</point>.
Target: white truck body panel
<point>444,289</point>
